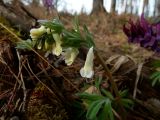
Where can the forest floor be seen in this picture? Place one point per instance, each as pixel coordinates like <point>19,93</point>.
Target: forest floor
<point>121,57</point>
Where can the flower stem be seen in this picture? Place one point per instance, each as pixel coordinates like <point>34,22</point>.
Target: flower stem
<point>113,84</point>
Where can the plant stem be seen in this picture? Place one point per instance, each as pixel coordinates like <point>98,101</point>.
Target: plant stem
<point>115,88</point>
<point>113,84</point>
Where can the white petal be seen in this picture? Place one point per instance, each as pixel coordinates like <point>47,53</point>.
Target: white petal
<point>87,70</point>
<point>89,58</point>
<point>86,73</point>
<point>57,50</point>
<point>37,32</point>
<point>70,55</point>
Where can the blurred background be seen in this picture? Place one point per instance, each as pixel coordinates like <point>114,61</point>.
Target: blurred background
<point>148,7</point>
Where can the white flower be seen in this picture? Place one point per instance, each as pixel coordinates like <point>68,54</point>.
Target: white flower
<point>39,46</point>
<point>70,55</point>
<point>57,48</point>
<point>48,46</point>
<point>48,30</point>
<point>37,32</point>
<point>87,70</point>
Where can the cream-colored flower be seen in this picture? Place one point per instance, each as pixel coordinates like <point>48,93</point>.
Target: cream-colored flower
<point>57,48</point>
<point>39,46</point>
<point>49,31</point>
<point>70,55</point>
<point>87,71</point>
<point>37,32</point>
<point>48,46</point>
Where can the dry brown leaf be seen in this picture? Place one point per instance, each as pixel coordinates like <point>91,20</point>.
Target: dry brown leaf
<point>121,60</point>
<point>91,90</point>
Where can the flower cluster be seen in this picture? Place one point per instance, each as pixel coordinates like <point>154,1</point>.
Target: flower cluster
<point>51,37</point>
<point>48,3</point>
<point>143,33</point>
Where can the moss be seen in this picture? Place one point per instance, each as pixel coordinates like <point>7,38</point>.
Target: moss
<point>5,34</point>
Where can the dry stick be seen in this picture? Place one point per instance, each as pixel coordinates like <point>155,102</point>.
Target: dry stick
<point>56,70</point>
<point>113,84</point>
<point>42,82</point>
<point>14,75</point>
<point>115,88</point>
<point>23,83</point>
<point>9,83</point>
<point>55,88</point>
<point>5,93</point>
<point>19,39</point>
<point>37,74</point>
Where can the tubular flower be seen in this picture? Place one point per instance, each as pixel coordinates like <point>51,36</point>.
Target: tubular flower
<point>57,48</point>
<point>47,46</point>
<point>87,70</point>
<point>144,33</point>
<point>37,32</point>
<point>70,55</point>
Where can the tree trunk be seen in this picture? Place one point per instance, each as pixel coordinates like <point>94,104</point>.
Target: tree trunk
<point>131,7</point>
<point>98,6</point>
<point>113,6</point>
<point>158,8</point>
<point>155,8</point>
<point>145,7</point>
<point>126,6</point>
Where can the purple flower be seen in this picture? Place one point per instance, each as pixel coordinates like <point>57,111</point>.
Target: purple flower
<point>48,3</point>
<point>144,33</point>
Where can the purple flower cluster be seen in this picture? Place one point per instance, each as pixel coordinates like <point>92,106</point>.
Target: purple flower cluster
<point>48,3</point>
<point>144,33</point>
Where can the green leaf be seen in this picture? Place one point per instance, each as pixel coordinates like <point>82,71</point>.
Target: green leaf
<point>155,81</point>
<point>76,24</point>
<point>90,97</point>
<point>98,82</point>
<point>108,109</point>
<point>26,44</point>
<point>123,93</point>
<point>127,103</point>
<point>72,39</point>
<point>88,37</point>
<point>93,109</point>
<point>107,93</point>
<point>106,112</point>
<point>79,110</point>
<point>54,25</point>
<point>155,77</point>
<point>156,63</point>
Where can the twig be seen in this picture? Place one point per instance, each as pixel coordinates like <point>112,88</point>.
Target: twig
<point>13,95</point>
<point>20,40</point>
<point>113,84</point>
<point>37,74</point>
<point>23,83</point>
<point>9,83</point>
<point>115,88</point>
<point>41,81</point>
<point>5,93</point>
<point>54,87</point>
<point>12,33</point>
<point>68,81</point>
